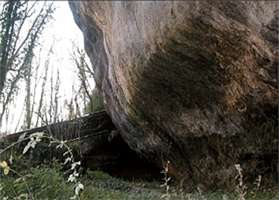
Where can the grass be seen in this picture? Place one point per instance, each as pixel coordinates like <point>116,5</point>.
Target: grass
<point>50,183</point>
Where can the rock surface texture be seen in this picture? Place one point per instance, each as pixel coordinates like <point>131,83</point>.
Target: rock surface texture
<point>192,82</point>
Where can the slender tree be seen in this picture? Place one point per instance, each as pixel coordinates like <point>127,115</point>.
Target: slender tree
<point>27,78</point>
<point>85,76</point>
<point>43,88</point>
<point>21,24</point>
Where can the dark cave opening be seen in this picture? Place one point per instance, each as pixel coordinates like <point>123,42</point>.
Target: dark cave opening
<point>113,156</point>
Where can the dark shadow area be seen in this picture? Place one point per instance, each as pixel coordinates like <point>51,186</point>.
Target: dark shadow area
<point>113,156</point>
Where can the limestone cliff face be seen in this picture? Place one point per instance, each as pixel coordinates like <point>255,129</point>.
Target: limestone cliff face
<point>193,82</point>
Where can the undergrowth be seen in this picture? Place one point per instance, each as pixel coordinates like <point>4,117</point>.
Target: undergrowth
<point>20,179</point>
<point>50,183</point>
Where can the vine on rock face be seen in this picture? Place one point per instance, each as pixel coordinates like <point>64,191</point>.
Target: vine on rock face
<point>68,156</point>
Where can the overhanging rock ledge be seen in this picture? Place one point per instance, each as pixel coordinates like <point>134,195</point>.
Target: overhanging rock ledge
<point>192,82</point>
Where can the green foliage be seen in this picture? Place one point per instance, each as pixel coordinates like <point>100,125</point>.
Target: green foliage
<point>96,104</point>
<point>50,183</point>
<point>33,141</point>
<point>43,183</point>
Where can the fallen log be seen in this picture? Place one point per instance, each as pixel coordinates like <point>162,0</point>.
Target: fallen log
<point>82,131</point>
<point>99,146</point>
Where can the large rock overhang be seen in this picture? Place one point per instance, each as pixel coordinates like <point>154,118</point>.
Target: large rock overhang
<point>191,82</point>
